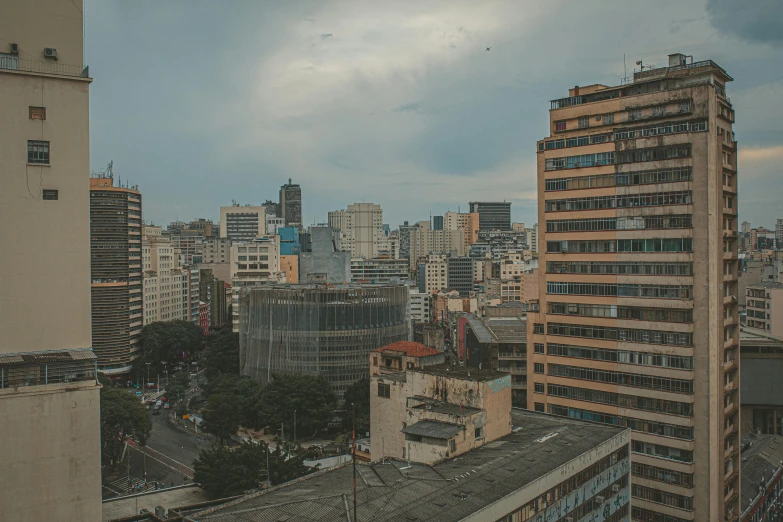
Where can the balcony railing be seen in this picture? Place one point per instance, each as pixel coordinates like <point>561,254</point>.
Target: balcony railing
<point>12,62</point>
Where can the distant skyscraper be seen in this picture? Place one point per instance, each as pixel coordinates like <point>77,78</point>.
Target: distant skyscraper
<point>115,246</point>
<point>291,204</point>
<point>637,323</point>
<point>272,208</point>
<point>779,234</point>
<point>437,222</point>
<point>493,215</point>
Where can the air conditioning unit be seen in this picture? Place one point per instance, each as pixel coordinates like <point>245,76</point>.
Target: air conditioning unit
<point>599,499</point>
<point>616,488</point>
<point>14,48</point>
<point>50,52</point>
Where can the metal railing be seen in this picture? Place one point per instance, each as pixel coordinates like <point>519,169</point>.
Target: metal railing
<point>12,62</point>
<point>49,367</point>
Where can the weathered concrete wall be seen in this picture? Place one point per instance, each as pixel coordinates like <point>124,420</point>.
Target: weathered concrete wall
<point>50,453</point>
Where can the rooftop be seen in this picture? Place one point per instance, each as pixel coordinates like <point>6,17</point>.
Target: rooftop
<point>409,348</point>
<point>762,456</point>
<point>448,491</point>
<point>437,406</point>
<point>767,284</point>
<point>433,429</point>
<point>750,335</point>
<point>498,329</point>
<point>460,372</point>
<point>122,507</point>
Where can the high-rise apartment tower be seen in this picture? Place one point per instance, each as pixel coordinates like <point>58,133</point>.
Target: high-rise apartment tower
<point>50,465</point>
<point>290,206</point>
<point>637,322</point>
<point>493,215</point>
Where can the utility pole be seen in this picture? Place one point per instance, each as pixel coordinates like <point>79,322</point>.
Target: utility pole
<point>148,374</point>
<point>294,426</point>
<point>353,455</point>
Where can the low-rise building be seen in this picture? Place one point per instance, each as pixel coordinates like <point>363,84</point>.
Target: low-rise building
<point>762,470</point>
<point>403,355</point>
<point>379,270</point>
<point>761,386</point>
<point>764,307</point>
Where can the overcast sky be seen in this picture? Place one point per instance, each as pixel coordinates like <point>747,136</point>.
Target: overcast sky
<point>392,102</point>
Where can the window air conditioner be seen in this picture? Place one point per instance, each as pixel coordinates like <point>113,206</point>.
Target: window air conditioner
<point>50,52</point>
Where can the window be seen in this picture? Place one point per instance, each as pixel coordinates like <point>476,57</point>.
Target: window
<point>38,152</point>
<point>584,122</point>
<point>479,433</point>
<point>51,195</point>
<point>37,113</point>
<point>452,445</point>
<point>608,119</point>
<point>539,407</point>
<point>538,368</point>
<point>384,390</point>
<point>560,126</point>
<point>374,360</point>
<point>539,387</point>
<point>538,348</point>
<point>538,328</point>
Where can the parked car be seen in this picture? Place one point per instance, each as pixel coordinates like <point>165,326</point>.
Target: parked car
<point>156,410</point>
<point>164,399</point>
<point>166,406</point>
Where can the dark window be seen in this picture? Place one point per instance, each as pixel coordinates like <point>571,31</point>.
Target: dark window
<point>479,432</point>
<point>384,390</point>
<point>452,445</point>
<point>538,328</point>
<point>38,152</point>
<point>538,348</point>
<point>539,387</point>
<point>37,113</point>
<point>560,125</point>
<point>51,195</point>
<point>539,407</point>
<point>538,367</point>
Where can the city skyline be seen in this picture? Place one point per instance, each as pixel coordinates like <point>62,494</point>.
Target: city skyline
<point>415,104</point>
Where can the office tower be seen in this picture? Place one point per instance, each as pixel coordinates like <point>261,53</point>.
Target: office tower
<point>779,234</point>
<point>493,215</point>
<point>437,222</point>
<point>253,263</point>
<point>405,240</point>
<point>361,228</point>
<point>116,268</point>
<point>164,279</point>
<point>459,275</point>
<point>272,209</point>
<point>242,223</point>
<point>637,197</point>
<point>49,401</point>
<point>746,227</point>
<point>290,207</point>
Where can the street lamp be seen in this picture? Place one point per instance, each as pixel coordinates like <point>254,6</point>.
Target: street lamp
<point>148,372</point>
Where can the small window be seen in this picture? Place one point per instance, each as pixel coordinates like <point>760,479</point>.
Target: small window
<point>37,113</point>
<point>50,194</point>
<point>38,152</point>
<point>452,445</point>
<point>538,328</point>
<point>539,387</point>
<point>584,122</point>
<point>538,348</point>
<point>375,360</point>
<point>560,125</point>
<point>384,390</point>
<point>539,407</point>
<point>538,368</point>
<point>479,433</point>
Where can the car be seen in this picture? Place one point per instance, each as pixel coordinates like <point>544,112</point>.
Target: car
<point>156,410</point>
<point>138,394</point>
<point>159,403</point>
<point>166,406</point>
<point>164,399</point>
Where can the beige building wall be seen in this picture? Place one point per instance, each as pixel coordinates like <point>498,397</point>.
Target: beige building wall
<point>254,222</point>
<point>253,263</point>
<point>425,241</point>
<point>705,464</point>
<point>290,265</point>
<point>164,279</point>
<point>49,434</point>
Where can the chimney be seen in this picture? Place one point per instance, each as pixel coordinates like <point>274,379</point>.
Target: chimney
<point>576,90</point>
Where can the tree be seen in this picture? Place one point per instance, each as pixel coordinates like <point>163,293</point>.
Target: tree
<point>222,416</point>
<point>167,344</point>
<point>358,393</point>
<point>122,415</point>
<point>310,396</point>
<point>246,393</point>
<point>223,472</point>
<point>222,355</point>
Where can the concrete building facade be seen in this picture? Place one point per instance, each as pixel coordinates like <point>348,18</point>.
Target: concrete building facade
<point>242,223</point>
<point>459,275</point>
<point>764,307</point>
<point>425,241</point>
<point>290,206</point>
<point>165,282</point>
<point>638,206</point>
<point>493,215</point>
<point>420,306</point>
<point>49,398</point>
<point>216,250</point>
<point>117,306</point>
<point>379,270</point>
<point>361,228</point>
<point>325,262</point>
<point>252,264</point>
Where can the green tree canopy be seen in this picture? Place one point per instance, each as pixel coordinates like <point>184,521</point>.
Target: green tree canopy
<point>311,396</point>
<point>358,393</point>
<point>223,472</point>
<point>246,393</point>
<point>222,415</point>
<point>122,414</point>
<point>222,355</point>
<point>169,342</point>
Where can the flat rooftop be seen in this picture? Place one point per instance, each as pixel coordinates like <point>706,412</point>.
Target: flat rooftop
<point>446,492</point>
<point>460,372</point>
<point>761,457</point>
<point>123,507</point>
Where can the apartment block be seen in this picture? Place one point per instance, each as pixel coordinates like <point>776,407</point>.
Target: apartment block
<point>459,275</point>
<point>216,250</point>
<point>242,223</point>
<point>637,203</point>
<point>493,215</point>
<point>419,304</point>
<point>165,282</point>
<point>361,228</point>
<point>764,307</point>
<point>433,274</point>
<point>253,263</point>
<point>116,269</point>
<point>469,222</point>
<point>192,312</point>
<point>212,291</point>
<point>50,466</point>
<point>379,270</point>
<point>425,241</point>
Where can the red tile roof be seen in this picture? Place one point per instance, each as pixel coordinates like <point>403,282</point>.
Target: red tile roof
<point>409,348</point>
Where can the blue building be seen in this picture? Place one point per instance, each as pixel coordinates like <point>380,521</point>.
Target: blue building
<point>289,241</point>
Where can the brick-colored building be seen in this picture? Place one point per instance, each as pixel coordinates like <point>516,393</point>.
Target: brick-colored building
<point>402,355</point>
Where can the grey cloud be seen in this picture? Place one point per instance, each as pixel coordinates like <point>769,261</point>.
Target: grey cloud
<point>409,107</point>
<point>325,36</point>
<point>756,21</point>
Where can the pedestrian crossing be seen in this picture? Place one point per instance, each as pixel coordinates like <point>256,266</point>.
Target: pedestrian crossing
<point>130,485</point>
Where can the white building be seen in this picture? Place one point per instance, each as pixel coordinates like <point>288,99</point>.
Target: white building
<point>165,283</point>
<point>273,223</point>
<point>253,263</point>
<point>242,223</point>
<point>435,271</point>
<point>425,241</point>
<point>379,270</point>
<point>420,307</point>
